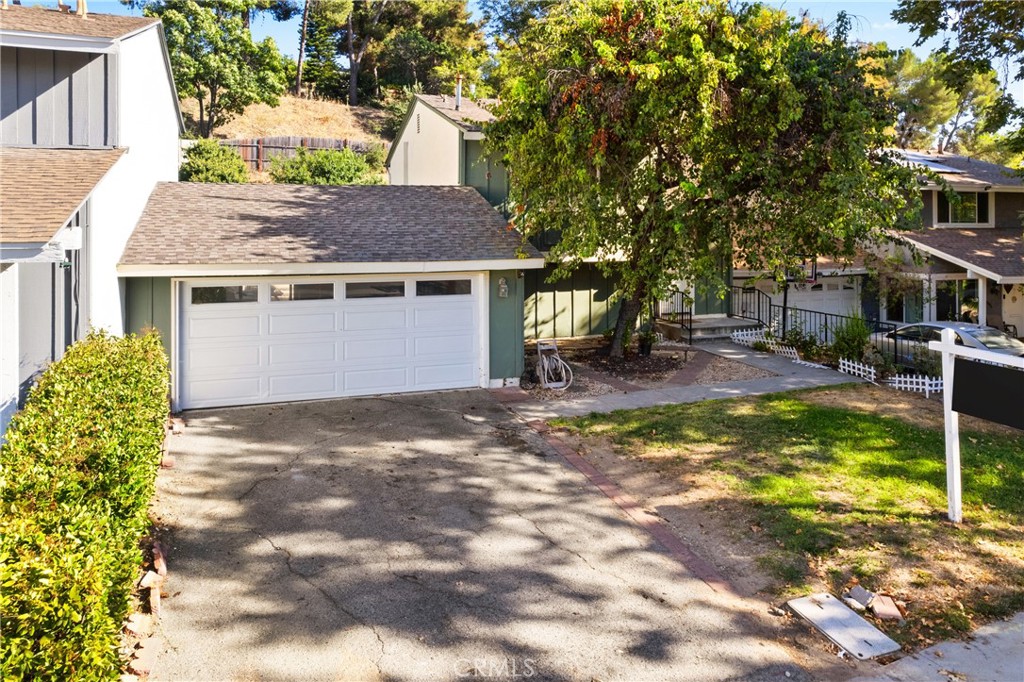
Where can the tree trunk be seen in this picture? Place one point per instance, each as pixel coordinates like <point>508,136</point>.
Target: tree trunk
<point>353,67</point>
<point>302,48</point>
<point>202,116</point>
<point>629,310</point>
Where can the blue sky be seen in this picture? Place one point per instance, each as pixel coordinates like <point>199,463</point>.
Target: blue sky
<point>871,23</point>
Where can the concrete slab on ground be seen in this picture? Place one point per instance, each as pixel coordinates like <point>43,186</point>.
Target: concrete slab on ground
<point>421,537</point>
<point>995,653</point>
<point>790,377</point>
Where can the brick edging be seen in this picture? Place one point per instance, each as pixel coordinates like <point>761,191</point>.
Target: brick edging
<point>675,547</point>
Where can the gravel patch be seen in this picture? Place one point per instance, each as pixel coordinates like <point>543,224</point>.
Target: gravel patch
<point>721,370</point>
<point>582,387</point>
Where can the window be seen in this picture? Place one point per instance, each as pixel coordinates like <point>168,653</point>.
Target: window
<point>443,287</point>
<point>972,209</point>
<point>374,289</point>
<point>242,293</point>
<point>902,307</point>
<point>301,292</point>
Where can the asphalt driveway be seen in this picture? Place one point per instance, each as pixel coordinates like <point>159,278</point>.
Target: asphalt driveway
<point>420,537</point>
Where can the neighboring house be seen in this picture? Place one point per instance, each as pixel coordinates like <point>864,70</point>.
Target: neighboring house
<point>441,142</point>
<point>974,256</point>
<point>269,293</point>
<point>89,123</point>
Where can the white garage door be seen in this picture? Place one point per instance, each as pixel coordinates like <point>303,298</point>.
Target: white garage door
<point>272,340</point>
<point>836,295</point>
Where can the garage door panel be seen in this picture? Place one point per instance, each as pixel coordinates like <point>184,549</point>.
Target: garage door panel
<point>375,349</point>
<point>309,323</point>
<point>238,357</point>
<point>292,385</point>
<point>234,390</point>
<point>443,375</point>
<point>280,350</point>
<point>374,320</point>
<point>375,380</point>
<point>224,327</point>
<point>442,345</point>
<point>443,318</point>
<point>310,351</point>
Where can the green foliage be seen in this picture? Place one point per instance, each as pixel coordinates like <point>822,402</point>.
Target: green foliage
<point>850,339</point>
<point>327,167</point>
<point>666,131</point>
<point>215,60</point>
<point>79,467</point>
<point>209,161</point>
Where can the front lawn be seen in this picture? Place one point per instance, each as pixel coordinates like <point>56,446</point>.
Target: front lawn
<point>834,492</point>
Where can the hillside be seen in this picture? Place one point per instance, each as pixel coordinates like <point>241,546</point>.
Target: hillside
<point>303,117</point>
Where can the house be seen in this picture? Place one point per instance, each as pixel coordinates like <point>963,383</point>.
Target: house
<point>973,256</point>
<point>270,293</point>
<point>89,123</point>
<point>441,142</point>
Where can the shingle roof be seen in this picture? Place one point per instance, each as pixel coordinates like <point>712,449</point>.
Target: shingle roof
<point>972,171</point>
<point>470,115</point>
<point>52,21</point>
<point>996,250</point>
<point>40,189</point>
<point>198,223</point>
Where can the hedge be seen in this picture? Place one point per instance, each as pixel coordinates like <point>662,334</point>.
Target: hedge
<point>76,476</point>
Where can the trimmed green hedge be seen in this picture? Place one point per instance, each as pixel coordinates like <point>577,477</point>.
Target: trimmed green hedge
<point>76,476</point>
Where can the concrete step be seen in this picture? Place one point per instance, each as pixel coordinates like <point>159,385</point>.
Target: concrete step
<point>704,329</point>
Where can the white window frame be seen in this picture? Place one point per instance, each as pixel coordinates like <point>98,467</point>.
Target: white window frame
<point>991,209</point>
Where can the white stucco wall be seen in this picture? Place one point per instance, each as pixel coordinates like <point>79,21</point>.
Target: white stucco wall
<point>8,344</point>
<point>429,154</point>
<point>148,127</point>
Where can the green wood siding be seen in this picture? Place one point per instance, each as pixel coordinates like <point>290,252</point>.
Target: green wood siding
<point>506,326</point>
<point>485,173</point>
<point>580,305</point>
<point>148,304</point>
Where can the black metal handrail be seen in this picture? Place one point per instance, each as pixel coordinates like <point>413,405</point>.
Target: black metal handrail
<point>680,314</point>
<point>749,304</point>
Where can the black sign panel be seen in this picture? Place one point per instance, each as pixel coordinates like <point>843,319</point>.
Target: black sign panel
<point>991,392</point>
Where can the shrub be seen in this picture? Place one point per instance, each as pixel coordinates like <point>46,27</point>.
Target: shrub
<point>325,167</point>
<point>851,338</point>
<point>208,161</point>
<point>79,467</point>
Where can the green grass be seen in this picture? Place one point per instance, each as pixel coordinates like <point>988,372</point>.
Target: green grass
<point>852,494</point>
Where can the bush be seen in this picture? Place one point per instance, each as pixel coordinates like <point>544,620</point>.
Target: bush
<point>79,467</point>
<point>325,167</point>
<point>208,161</point>
<point>851,338</point>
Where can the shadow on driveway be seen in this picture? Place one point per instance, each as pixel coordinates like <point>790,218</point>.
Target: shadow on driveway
<point>419,537</point>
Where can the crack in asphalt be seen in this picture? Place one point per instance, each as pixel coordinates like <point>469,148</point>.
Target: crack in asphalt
<point>293,460</point>
<point>326,595</point>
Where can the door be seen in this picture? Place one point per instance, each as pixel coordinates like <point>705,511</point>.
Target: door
<point>277,339</point>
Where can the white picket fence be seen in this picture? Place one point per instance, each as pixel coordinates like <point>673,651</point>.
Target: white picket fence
<point>748,337</point>
<point>915,383</point>
<point>857,369</point>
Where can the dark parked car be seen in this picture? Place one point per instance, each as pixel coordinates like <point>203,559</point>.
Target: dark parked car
<point>910,342</point>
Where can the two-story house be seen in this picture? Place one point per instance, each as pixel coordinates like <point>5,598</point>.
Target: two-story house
<point>441,142</point>
<point>89,123</point>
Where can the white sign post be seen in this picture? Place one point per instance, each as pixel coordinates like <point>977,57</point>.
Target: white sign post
<point>950,350</point>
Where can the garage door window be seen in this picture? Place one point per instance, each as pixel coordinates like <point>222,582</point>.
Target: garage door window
<point>301,292</point>
<point>244,293</point>
<point>443,287</point>
<point>374,289</point>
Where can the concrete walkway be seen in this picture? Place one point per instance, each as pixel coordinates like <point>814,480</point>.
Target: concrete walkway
<point>994,654</point>
<point>791,376</point>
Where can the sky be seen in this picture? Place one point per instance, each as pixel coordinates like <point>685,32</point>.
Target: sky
<point>871,23</point>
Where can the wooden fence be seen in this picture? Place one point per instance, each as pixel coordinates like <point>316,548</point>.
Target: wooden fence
<point>258,152</point>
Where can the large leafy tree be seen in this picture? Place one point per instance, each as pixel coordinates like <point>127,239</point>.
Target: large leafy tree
<point>658,134</point>
<point>975,35</point>
<point>215,60</point>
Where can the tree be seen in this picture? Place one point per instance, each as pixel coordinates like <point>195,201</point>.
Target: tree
<point>214,59</point>
<point>325,167</point>
<point>331,14</point>
<point>362,28</point>
<point>974,35</point>
<point>658,134</point>
<point>209,161</point>
<point>507,19</point>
